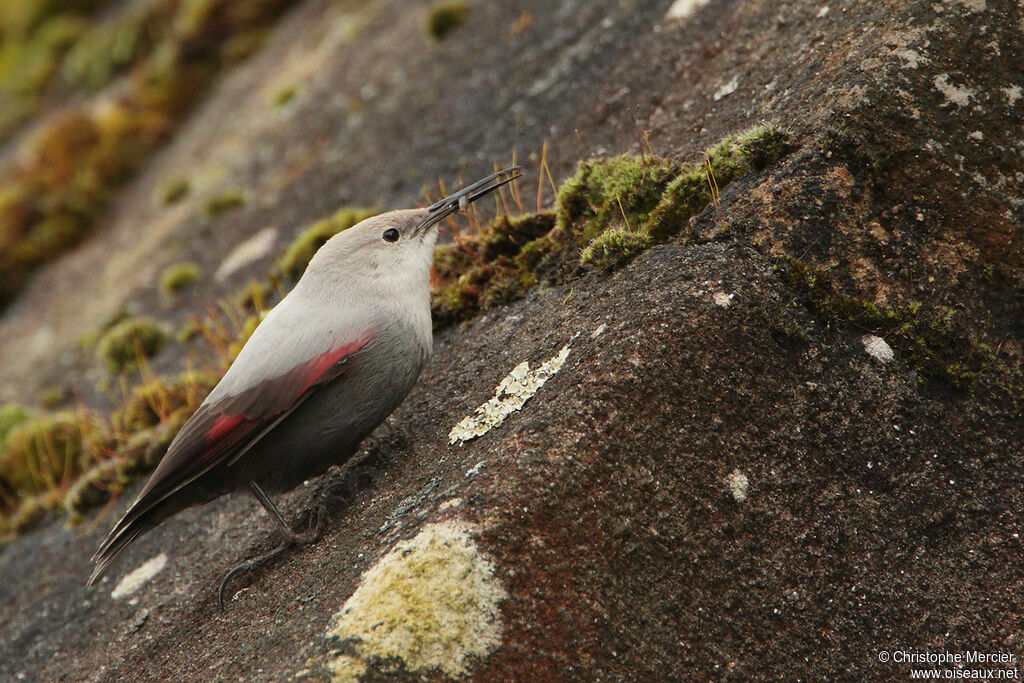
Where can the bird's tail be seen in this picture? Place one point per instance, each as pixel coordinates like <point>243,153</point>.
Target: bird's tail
<point>135,523</point>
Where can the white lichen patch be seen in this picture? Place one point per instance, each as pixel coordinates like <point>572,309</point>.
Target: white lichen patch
<point>133,581</point>
<point>511,394</point>
<point>913,58</point>
<point>682,9</point>
<point>249,251</point>
<point>722,299</point>
<point>431,603</point>
<point>954,94</point>
<point>1013,93</point>
<point>877,348</point>
<point>726,89</point>
<point>738,485</point>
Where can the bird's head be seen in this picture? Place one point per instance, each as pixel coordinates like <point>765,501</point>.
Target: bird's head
<point>398,242</point>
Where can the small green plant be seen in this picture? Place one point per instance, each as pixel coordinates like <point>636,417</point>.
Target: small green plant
<point>54,397</point>
<point>222,203</point>
<point>298,254</point>
<point>283,96</point>
<point>173,191</point>
<point>445,18</point>
<point>177,278</point>
<point>124,344</point>
<point>45,453</point>
<point>11,415</point>
<point>157,400</point>
<point>607,191</point>
<point>613,248</point>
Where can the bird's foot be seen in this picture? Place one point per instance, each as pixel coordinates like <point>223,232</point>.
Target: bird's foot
<point>246,566</point>
<point>312,532</point>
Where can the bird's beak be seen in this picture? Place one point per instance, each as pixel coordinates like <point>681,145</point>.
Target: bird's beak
<point>460,200</point>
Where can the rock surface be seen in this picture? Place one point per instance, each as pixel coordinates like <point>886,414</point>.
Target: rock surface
<point>701,490</point>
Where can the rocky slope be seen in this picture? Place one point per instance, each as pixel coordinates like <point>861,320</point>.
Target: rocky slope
<point>775,446</point>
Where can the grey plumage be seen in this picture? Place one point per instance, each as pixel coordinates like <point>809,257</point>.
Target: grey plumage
<point>328,364</point>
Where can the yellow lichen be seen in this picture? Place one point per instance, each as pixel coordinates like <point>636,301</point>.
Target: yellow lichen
<point>431,604</point>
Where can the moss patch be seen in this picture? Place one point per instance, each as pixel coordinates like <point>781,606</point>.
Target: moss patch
<point>45,453</point>
<point>298,254</point>
<point>126,343</point>
<point>614,247</point>
<point>177,278</point>
<point>159,399</point>
<point>445,18</point>
<point>935,339</point>
<point>11,415</point>
<point>609,211</point>
<point>494,267</point>
<point>173,191</point>
<point>70,168</point>
<point>615,190</point>
<point>222,203</point>
<point>283,96</point>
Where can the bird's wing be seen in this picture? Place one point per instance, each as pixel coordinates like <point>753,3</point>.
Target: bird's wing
<point>288,356</point>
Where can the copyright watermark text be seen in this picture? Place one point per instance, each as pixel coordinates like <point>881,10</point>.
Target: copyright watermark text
<point>949,665</point>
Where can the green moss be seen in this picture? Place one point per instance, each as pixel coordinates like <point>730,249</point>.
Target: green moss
<point>54,397</point>
<point>76,160</point>
<point>256,296</point>
<point>248,327</point>
<point>609,211</point>
<point>11,415</point>
<point>762,146</point>
<point>27,514</point>
<point>934,339</point>
<point>613,248</point>
<point>478,273</point>
<point>619,190</point>
<point>173,191</point>
<point>535,254</point>
<point>177,278</point>
<point>46,452</point>
<point>445,18</point>
<point>190,330</point>
<point>157,400</point>
<point>684,197</point>
<point>242,45</point>
<point>283,96</point>
<point>298,254</point>
<point>116,44</point>
<point>692,188</point>
<point>123,345</point>
<point>89,341</point>
<point>100,483</point>
<point>222,203</point>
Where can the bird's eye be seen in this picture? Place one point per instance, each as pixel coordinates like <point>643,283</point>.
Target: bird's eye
<point>390,235</point>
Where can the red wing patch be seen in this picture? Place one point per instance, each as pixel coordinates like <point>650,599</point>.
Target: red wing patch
<point>219,431</point>
<point>315,368</point>
<point>224,425</point>
<point>222,431</point>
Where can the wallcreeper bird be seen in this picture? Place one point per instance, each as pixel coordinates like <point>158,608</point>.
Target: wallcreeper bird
<point>327,365</point>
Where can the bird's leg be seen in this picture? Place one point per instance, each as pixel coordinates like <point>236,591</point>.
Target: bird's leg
<point>290,535</point>
<point>291,538</point>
